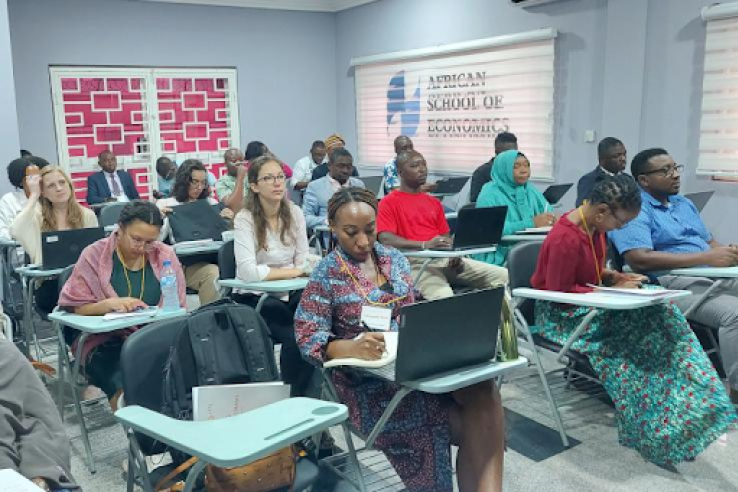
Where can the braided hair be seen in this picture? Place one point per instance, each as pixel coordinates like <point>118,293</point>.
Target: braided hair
<point>350,195</point>
<point>619,191</point>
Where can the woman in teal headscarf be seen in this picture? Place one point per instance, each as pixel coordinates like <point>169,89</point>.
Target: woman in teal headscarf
<point>526,206</point>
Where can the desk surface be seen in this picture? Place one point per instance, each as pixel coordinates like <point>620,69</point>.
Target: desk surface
<point>321,228</point>
<point>267,285</point>
<point>519,238</point>
<point>5,243</point>
<point>185,250</point>
<point>96,324</point>
<point>709,272</point>
<point>35,271</point>
<point>438,253</point>
<point>597,299</point>
<point>461,378</point>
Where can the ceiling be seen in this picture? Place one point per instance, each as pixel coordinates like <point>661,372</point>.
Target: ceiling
<point>309,5</point>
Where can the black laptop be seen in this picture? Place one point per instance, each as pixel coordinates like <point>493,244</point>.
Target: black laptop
<point>196,221</point>
<point>62,248</point>
<point>555,193</point>
<point>447,334</point>
<point>450,186</point>
<point>478,228</point>
<point>700,198</point>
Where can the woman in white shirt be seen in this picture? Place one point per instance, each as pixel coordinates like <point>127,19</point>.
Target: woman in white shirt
<point>51,206</point>
<point>191,184</point>
<point>271,244</point>
<point>13,201</point>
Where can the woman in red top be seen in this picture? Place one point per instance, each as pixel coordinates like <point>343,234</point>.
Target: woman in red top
<point>670,403</point>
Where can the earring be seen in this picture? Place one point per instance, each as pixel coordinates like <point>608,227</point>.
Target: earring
<point>599,218</point>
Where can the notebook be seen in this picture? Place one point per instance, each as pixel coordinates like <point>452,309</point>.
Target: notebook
<point>227,400</point>
<point>389,356</point>
<point>61,249</point>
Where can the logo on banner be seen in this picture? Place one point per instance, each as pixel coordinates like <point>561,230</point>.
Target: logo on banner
<point>399,107</point>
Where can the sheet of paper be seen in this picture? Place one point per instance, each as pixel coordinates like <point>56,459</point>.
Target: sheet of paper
<point>652,293</point>
<point>536,230</point>
<point>390,346</point>
<point>11,480</point>
<point>144,313</point>
<point>218,402</point>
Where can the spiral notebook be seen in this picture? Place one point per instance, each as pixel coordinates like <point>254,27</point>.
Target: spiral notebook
<point>389,356</point>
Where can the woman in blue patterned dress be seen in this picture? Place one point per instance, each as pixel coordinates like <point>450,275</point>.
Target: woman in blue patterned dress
<point>417,438</point>
<point>669,401</point>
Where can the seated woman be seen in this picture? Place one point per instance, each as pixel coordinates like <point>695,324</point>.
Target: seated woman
<point>191,184</point>
<point>271,244</point>
<point>526,206</point>
<point>417,440</point>
<point>32,437</point>
<point>256,149</point>
<point>51,206</point>
<point>118,274</point>
<point>669,401</point>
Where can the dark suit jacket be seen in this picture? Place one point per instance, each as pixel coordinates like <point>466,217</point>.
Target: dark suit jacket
<point>98,189</point>
<point>481,176</point>
<point>322,170</point>
<point>587,183</point>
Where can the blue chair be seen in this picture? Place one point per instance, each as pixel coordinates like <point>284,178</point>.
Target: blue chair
<point>234,441</point>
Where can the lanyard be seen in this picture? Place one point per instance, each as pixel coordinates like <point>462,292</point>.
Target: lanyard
<point>365,295</point>
<point>598,268</point>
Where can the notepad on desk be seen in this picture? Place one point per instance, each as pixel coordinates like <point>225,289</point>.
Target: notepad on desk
<point>148,312</point>
<point>536,230</point>
<point>227,400</point>
<point>648,293</point>
<point>389,356</point>
<point>193,244</point>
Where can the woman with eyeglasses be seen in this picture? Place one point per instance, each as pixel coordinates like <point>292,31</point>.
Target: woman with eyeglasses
<point>191,184</point>
<point>51,206</point>
<point>118,274</point>
<point>271,244</point>
<point>669,401</point>
<point>526,206</point>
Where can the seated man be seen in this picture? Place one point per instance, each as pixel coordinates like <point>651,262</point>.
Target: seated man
<point>165,171</point>
<point>410,219</point>
<point>669,233</point>
<point>320,191</point>
<point>391,179</point>
<point>32,437</point>
<point>483,174</point>
<point>303,169</point>
<point>612,157</point>
<point>13,201</point>
<point>110,185</point>
<point>231,187</point>
<point>332,143</point>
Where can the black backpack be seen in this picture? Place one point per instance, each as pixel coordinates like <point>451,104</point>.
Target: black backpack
<point>220,343</point>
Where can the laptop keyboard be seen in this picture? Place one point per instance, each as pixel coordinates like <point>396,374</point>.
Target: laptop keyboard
<point>385,372</point>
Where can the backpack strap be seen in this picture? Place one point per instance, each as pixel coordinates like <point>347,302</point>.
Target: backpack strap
<point>199,327</point>
<point>254,339</point>
<point>176,396</point>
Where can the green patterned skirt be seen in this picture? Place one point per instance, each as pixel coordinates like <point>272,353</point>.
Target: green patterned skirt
<point>670,403</point>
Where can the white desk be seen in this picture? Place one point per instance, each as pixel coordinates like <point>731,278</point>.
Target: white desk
<point>185,250</point>
<point>266,287</point>
<point>452,215</point>
<point>91,325</point>
<point>432,254</point>
<point>519,238</point>
<point>32,276</point>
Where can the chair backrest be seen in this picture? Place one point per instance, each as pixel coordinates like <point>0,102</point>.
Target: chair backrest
<point>143,360</point>
<point>521,265</point>
<point>227,261</point>
<point>110,213</point>
<point>64,276</point>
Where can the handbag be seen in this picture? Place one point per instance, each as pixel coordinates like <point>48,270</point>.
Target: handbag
<point>269,473</point>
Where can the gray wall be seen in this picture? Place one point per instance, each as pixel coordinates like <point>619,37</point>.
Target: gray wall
<point>285,60</point>
<point>9,143</point>
<point>626,68</point>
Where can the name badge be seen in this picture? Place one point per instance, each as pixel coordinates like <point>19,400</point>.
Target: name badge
<point>376,318</point>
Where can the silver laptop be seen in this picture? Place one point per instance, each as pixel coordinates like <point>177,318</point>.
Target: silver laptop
<point>700,198</point>
<point>439,336</point>
<point>373,183</point>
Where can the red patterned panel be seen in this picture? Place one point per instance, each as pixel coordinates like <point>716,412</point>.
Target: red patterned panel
<point>193,114</point>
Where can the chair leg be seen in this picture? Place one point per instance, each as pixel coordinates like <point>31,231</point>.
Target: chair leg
<point>140,460</point>
<point>195,471</point>
<point>353,456</point>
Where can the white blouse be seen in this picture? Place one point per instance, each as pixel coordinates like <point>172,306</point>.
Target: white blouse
<point>254,265</point>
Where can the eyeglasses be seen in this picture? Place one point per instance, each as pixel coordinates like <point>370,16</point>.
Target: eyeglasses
<point>618,220</point>
<point>667,171</point>
<point>270,179</point>
<point>197,183</point>
<point>141,243</point>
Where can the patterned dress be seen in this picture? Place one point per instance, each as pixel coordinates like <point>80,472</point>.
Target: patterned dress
<point>417,437</point>
<point>669,401</point>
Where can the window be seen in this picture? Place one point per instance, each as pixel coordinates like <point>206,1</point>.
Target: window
<point>141,114</point>
<point>718,154</point>
<point>453,100</point>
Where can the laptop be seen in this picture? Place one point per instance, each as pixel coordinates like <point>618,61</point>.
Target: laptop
<point>555,193</point>
<point>373,183</point>
<point>700,198</point>
<point>61,249</point>
<point>478,228</point>
<point>450,186</point>
<point>446,334</point>
<point>196,221</point>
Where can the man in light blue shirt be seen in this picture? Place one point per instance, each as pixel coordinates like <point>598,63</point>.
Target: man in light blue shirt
<point>669,234</point>
<point>320,191</point>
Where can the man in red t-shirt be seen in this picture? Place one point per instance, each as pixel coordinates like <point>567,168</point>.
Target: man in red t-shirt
<point>410,219</point>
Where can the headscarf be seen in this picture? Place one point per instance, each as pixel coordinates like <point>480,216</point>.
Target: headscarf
<point>333,141</point>
<point>523,201</point>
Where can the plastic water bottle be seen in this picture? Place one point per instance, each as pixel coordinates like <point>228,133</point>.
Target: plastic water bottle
<point>169,291</point>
